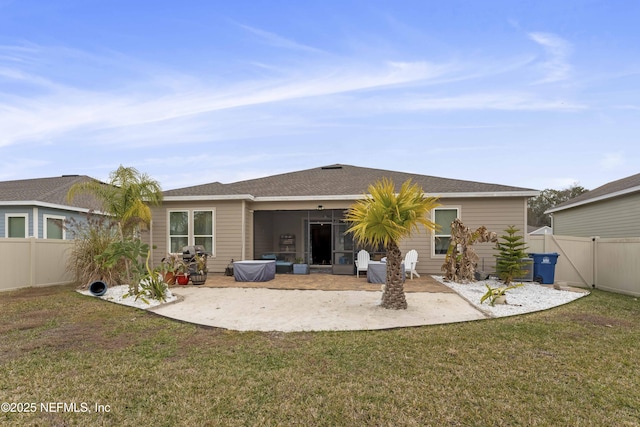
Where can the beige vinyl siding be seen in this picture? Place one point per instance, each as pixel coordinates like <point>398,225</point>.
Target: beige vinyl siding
<point>619,217</point>
<point>228,243</point>
<point>495,213</point>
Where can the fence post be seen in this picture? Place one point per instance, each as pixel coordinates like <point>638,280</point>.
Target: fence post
<point>32,261</point>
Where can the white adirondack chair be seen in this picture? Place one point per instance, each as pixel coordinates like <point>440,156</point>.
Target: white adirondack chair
<point>362,263</point>
<point>410,260</point>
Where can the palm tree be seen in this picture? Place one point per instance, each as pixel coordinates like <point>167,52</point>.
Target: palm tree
<point>126,198</point>
<point>387,217</point>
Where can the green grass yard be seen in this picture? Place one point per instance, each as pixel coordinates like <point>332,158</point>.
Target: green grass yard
<point>573,365</point>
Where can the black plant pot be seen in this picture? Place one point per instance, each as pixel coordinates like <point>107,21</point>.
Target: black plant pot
<point>98,288</point>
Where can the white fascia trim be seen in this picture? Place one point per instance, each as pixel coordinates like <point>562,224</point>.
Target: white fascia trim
<point>308,198</point>
<point>315,198</point>
<point>595,199</point>
<point>488,194</point>
<point>207,198</point>
<point>363,196</point>
<point>47,205</point>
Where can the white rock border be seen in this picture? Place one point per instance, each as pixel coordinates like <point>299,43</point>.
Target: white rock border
<point>525,299</point>
<point>116,294</point>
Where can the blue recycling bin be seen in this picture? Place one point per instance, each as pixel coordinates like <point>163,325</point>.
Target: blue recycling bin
<point>544,267</point>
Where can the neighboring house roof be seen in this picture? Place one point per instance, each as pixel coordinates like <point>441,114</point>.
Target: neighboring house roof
<point>630,184</point>
<point>535,230</point>
<point>338,182</point>
<point>49,192</point>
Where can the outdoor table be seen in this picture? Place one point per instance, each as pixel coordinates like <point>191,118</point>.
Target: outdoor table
<point>377,272</point>
<point>254,270</point>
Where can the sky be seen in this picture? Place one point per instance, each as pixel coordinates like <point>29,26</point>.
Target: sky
<point>534,94</point>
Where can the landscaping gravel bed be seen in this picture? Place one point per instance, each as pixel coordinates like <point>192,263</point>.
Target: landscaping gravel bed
<point>525,299</point>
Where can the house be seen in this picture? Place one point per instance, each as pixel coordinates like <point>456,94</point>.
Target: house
<point>301,215</point>
<point>535,230</point>
<point>38,207</point>
<point>609,211</point>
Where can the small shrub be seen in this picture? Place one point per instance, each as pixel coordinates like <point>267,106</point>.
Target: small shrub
<point>511,249</point>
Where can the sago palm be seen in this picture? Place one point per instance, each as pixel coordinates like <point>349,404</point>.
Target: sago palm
<point>386,217</point>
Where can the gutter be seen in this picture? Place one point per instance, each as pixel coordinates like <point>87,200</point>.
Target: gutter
<point>339,197</point>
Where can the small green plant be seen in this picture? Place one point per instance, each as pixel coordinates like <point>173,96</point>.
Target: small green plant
<point>494,293</point>
<point>152,284</point>
<point>511,249</point>
<point>131,251</point>
<point>299,261</point>
<point>172,263</point>
<point>199,264</point>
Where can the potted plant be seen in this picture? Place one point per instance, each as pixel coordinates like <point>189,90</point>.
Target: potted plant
<point>497,295</point>
<point>198,269</point>
<point>169,267</point>
<point>299,266</point>
<point>182,273</point>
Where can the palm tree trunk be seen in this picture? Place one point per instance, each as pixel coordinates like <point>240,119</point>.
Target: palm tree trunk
<point>393,296</point>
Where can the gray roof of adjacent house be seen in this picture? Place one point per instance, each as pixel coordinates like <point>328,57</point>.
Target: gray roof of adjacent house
<point>338,182</point>
<point>630,184</point>
<point>50,192</point>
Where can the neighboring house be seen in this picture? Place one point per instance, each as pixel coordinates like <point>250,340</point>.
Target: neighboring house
<point>609,211</point>
<point>38,207</point>
<point>535,230</point>
<point>301,215</point>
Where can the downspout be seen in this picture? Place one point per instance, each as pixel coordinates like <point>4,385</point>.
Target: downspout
<point>594,262</point>
<point>244,229</point>
<point>36,222</point>
<point>151,241</point>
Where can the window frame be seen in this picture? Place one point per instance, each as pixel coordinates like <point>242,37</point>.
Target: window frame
<point>190,227</point>
<point>45,227</point>
<point>435,234</point>
<point>8,216</point>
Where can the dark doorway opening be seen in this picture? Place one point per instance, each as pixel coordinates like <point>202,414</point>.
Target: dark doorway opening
<point>321,243</point>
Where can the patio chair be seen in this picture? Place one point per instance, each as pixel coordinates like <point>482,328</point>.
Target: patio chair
<point>362,263</point>
<point>410,260</point>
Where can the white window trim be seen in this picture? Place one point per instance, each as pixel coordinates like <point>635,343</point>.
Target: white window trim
<point>16,215</point>
<point>44,225</point>
<point>434,234</point>
<point>190,236</point>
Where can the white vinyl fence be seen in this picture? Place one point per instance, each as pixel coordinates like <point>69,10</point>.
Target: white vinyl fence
<point>34,262</point>
<point>608,264</point>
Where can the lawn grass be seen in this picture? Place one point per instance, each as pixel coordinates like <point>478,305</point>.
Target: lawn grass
<point>574,365</point>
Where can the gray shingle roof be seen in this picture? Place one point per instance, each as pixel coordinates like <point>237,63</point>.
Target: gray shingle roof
<point>214,188</point>
<point>605,191</point>
<point>337,180</point>
<point>46,190</point>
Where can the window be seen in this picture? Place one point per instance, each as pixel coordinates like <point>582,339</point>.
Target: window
<point>193,227</point>
<point>53,227</point>
<point>442,236</point>
<point>16,225</point>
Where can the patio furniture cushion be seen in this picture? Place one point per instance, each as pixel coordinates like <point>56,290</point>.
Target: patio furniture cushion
<point>281,266</point>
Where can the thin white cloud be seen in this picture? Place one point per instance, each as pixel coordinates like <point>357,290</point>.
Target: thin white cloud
<point>275,40</point>
<point>63,109</point>
<point>556,66</point>
<point>507,101</point>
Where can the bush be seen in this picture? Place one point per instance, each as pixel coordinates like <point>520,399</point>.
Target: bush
<point>92,238</point>
<point>512,249</point>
